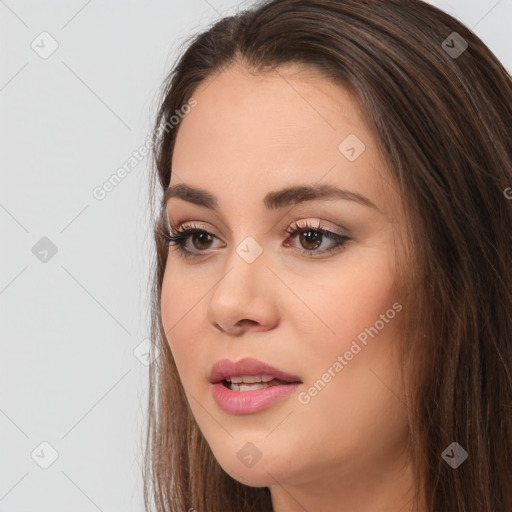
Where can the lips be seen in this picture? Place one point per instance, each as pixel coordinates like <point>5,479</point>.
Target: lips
<point>250,386</point>
<point>230,371</point>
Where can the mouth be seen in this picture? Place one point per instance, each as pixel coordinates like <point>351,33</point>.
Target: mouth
<point>249,386</point>
<point>249,374</point>
<point>252,382</point>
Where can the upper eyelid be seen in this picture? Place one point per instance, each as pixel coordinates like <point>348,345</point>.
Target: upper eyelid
<point>165,213</point>
<point>305,209</point>
<point>314,222</point>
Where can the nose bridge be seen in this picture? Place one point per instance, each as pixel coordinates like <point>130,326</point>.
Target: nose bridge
<point>247,241</point>
<point>243,293</point>
<point>246,263</point>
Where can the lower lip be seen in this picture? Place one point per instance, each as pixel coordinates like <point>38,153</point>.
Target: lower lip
<point>249,402</point>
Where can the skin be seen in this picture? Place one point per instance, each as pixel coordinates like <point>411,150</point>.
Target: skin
<point>248,135</point>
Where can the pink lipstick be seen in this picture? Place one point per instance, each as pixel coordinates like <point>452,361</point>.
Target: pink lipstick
<point>249,386</point>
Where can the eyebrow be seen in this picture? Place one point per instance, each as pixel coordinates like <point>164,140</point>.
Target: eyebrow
<point>273,200</point>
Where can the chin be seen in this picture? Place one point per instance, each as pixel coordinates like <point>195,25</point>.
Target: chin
<point>252,480</point>
<point>265,472</point>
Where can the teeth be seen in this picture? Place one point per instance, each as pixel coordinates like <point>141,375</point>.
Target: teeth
<point>245,386</point>
<point>249,387</point>
<point>250,379</point>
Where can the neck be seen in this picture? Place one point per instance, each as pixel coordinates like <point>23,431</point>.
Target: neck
<point>389,489</point>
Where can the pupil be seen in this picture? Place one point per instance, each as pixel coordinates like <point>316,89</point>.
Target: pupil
<point>198,235</point>
<point>311,237</point>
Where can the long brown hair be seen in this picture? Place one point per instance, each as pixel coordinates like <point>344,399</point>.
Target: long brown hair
<point>443,123</point>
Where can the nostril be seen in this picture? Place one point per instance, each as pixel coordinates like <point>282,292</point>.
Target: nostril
<point>218,327</point>
<point>237,328</point>
<point>246,321</point>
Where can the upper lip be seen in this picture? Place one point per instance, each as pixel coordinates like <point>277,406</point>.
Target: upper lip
<point>226,368</point>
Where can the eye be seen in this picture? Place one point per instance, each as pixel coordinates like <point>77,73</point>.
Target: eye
<point>310,238</point>
<point>200,238</point>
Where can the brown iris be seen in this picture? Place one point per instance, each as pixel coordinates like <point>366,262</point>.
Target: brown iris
<point>203,238</point>
<point>310,237</point>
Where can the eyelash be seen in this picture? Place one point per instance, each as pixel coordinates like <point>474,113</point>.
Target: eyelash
<point>182,234</point>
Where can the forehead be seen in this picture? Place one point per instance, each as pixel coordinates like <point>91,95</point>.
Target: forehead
<point>255,132</point>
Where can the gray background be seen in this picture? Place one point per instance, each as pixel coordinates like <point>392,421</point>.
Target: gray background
<point>70,324</point>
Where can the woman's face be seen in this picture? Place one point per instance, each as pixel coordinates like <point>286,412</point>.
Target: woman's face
<point>324,314</point>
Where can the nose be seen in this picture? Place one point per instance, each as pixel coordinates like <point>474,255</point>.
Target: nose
<point>245,297</point>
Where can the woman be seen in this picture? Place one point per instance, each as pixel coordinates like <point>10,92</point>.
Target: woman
<point>332,294</point>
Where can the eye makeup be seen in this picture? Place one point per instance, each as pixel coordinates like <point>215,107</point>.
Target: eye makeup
<point>311,237</point>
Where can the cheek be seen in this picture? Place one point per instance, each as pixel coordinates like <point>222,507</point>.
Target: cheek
<point>180,307</point>
<point>341,300</point>
<point>366,307</point>
<point>353,378</point>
